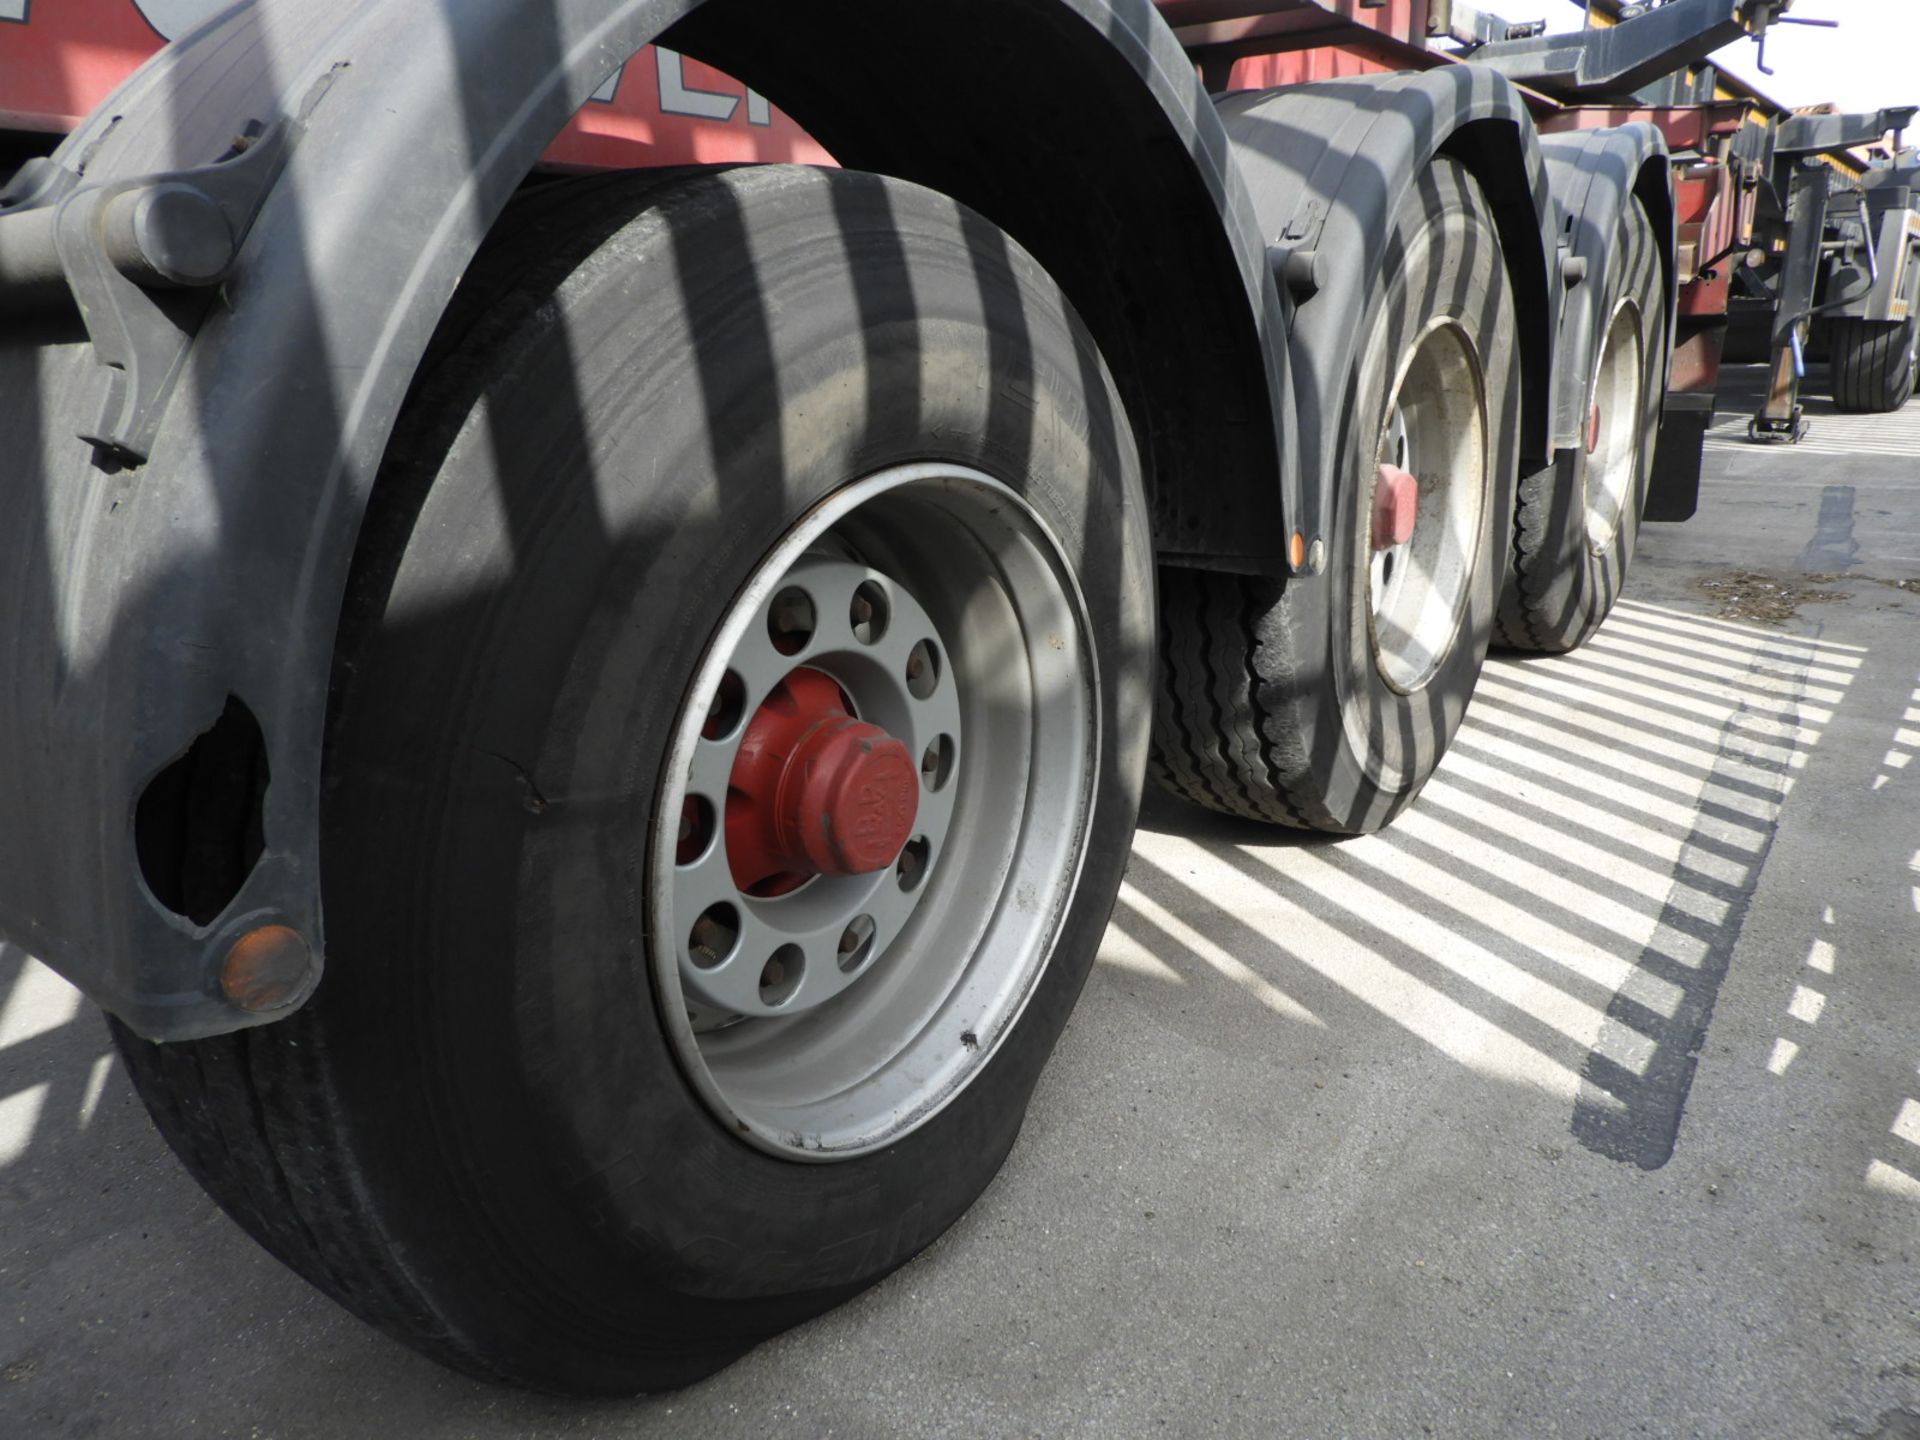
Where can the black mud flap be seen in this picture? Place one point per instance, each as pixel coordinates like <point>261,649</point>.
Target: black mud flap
<point>1673,491</point>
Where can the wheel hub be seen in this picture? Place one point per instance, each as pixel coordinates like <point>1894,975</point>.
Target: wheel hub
<point>1396,505</point>
<point>1613,438</point>
<point>817,798</point>
<point>815,791</point>
<point>874,805</point>
<point>1421,537</point>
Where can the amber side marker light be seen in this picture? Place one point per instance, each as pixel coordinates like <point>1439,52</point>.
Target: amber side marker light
<point>266,968</point>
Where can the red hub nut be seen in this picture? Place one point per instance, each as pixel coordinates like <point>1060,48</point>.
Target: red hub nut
<point>815,791</point>
<point>1396,504</point>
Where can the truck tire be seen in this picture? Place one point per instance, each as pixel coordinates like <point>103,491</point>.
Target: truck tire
<point>1325,703</point>
<point>1875,364</point>
<point>1577,521</point>
<point>744,532</point>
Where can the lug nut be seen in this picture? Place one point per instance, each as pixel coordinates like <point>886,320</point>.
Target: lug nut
<point>713,935</point>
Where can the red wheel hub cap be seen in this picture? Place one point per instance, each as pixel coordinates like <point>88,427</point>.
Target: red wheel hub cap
<point>815,791</point>
<point>1396,504</point>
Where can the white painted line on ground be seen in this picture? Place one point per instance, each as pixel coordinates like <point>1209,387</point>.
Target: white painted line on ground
<point>1806,1005</point>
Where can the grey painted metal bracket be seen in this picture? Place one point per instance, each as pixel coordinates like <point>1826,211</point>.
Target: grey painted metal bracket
<point>1621,58</point>
<point>140,260</point>
<point>1820,134</point>
<point>143,257</point>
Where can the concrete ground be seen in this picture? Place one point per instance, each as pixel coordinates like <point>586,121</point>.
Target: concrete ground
<point>1583,1103</point>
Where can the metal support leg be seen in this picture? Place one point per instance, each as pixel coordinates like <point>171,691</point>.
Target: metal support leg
<point>1781,419</point>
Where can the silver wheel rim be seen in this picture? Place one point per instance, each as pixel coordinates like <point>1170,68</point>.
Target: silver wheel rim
<point>1614,460</point>
<point>1436,429</point>
<point>893,988</point>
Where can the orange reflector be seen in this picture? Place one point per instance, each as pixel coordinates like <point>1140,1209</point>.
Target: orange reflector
<point>1297,550</point>
<point>266,968</point>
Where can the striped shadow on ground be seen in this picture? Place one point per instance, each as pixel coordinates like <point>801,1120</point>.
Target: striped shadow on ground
<point>1559,908</point>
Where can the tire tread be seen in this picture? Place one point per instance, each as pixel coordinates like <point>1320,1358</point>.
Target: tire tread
<point>1872,365</point>
<point>1209,624</point>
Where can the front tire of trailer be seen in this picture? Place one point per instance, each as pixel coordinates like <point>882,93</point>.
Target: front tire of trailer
<point>533,1123</point>
<point>1577,522</point>
<point>1326,702</point>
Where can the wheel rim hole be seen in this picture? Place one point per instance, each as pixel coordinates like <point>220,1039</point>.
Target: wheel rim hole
<point>780,976</point>
<point>856,943</point>
<point>791,620</point>
<point>696,829</point>
<point>936,766</point>
<point>727,708</point>
<point>714,935</point>
<point>870,612</point>
<point>911,867</point>
<point>923,670</point>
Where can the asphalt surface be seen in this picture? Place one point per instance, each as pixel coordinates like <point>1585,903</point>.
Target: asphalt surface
<point>1585,1102</point>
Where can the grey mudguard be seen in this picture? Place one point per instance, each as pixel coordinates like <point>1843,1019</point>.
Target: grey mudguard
<point>1595,176</point>
<point>137,600</point>
<point>1327,165</point>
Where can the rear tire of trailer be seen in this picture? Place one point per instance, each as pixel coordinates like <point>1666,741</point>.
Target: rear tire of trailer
<point>1326,702</point>
<point>681,447</point>
<point>1577,522</point>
